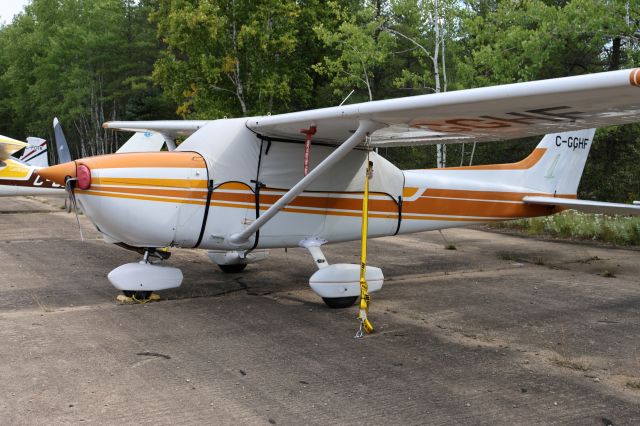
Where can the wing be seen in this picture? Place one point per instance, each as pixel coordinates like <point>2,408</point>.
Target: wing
<point>8,146</point>
<point>474,115</point>
<point>586,206</point>
<point>169,128</point>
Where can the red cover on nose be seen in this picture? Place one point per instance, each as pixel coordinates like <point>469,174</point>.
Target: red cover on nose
<point>84,176</point>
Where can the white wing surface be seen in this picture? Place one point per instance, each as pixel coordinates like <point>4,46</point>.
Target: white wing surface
<point>143,142</point>
<point>474,115</point>
<point>170,128</point>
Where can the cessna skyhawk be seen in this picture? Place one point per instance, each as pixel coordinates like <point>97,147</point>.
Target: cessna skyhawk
<point>236,186</point>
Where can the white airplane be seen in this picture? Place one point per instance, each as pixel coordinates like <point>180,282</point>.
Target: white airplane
<point>236,186</point>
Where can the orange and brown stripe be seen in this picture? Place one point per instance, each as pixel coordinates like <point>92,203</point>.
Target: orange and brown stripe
<point>145,159</point>
<point>531,160</point>
<point>433,204</point>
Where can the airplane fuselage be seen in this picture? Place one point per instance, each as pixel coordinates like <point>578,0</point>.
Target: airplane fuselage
<point>17,178</point>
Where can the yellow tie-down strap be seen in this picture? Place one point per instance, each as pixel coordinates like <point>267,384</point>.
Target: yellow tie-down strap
<point>365,324</point>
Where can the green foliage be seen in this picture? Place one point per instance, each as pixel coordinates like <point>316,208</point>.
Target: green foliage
<point>618,230</point>
<point>231,58</point>
<point>533,39</point>
<point>360,47</point>
<point>85,61</point>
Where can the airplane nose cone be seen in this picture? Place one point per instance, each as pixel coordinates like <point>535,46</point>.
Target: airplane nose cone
<point>59,173</point>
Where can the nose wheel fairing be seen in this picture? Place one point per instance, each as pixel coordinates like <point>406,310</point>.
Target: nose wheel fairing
<point>145,277</point>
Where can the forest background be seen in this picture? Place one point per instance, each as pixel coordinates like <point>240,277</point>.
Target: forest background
<point>90,61</point>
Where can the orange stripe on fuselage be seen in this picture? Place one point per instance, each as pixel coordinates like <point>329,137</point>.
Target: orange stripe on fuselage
<point>172,183</point>
<point>145,159</point>
<point>474,205</point>
<point>197,195</point>
<point>483,208</point>
<point>483,195</point>
<point>531,160</point>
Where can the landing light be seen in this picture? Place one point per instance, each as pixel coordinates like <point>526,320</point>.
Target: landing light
<point>84,176</point>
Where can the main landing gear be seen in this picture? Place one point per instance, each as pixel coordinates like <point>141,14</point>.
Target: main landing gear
<point>339,284</point>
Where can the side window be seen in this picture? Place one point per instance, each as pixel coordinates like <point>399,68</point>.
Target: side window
<point>2,164</point>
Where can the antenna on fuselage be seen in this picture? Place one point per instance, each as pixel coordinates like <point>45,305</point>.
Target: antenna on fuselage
<point>348,96</point>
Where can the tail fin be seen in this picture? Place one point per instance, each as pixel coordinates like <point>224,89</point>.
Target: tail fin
<point>36,153</point>
<point>143,142</point>
<point>558,162</point>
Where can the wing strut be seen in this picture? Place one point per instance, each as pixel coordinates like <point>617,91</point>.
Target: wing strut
<point>364,127</point>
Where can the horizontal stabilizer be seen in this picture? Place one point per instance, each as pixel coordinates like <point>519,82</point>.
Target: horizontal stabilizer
<point>586,206</point>
<point>172,128</point>
<point>8,146</point>
<point>143,142</point>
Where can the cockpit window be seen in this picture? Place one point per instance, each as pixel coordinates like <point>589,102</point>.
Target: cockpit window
<point>2,164</point>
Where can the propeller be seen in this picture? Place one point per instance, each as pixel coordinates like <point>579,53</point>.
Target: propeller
<point>64,156</point>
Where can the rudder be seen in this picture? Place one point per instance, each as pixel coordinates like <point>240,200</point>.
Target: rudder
<point>561,160</point>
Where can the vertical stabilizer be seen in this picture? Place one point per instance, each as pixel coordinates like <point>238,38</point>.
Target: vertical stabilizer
<point>36,154</point>
<point>559,161</point>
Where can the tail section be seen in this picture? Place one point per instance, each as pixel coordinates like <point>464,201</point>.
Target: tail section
<point>557,163</point>
<point>36,154</point>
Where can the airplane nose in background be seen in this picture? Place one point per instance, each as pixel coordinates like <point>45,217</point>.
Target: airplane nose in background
<point>59,173</point>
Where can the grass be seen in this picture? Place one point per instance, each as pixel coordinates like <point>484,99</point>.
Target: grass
<point>571,363</point>
<point>633,384</point>
<point>617,230</point>
<point>608,274</point>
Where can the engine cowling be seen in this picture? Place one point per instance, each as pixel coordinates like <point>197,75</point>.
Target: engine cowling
<point>151,199</point>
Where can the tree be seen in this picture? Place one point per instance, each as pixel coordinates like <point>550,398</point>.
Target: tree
<point>359,47</point>
<point>230,58</point>
<point>54,62</point>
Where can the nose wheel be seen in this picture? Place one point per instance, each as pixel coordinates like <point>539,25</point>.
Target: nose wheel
<point>137,295</point>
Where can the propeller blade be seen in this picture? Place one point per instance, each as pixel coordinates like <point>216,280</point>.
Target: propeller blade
<point>64,156</point>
